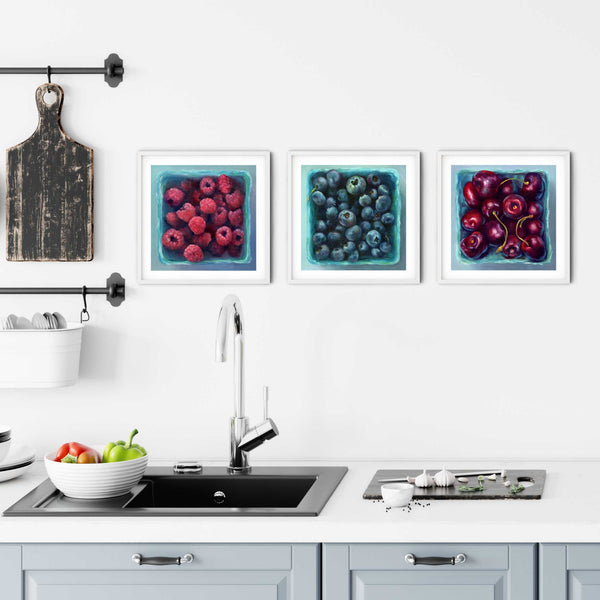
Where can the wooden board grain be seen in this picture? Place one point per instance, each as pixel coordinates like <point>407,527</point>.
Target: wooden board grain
<point>49,191</point>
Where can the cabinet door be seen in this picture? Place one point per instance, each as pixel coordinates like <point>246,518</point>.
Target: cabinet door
<point>383,572</point>
<point>569,572</point>
<point>219,572</point>
<point>10,572</point>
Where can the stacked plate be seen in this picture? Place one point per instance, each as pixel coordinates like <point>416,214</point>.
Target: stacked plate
<point>18,460</point>
<point>38,321</point>
<point>100,480</point>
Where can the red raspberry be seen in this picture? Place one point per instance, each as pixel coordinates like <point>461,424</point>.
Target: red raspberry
<point>220,217</point>
<point>202,240</point>
<point>194,197</point>
<point>219,200</point>
<point>207,186</point>
<point>174,197</point>
<point>173,220</point>
<point>225,184</point>
<point>234,251</point>
<point>223,236</point>
<point>193,253</point>
<point>234,200</point>
<point>197,225</point>
<point>187,233</point>
<point>173,240</point>
<point>208,206</point>
<point>187,185</point>
<point>237,237</point>
<point>236,217</point>
<point>216,249</point>
<point>186,212</point>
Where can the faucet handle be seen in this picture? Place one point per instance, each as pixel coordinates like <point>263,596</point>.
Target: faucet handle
<point>266,402</point>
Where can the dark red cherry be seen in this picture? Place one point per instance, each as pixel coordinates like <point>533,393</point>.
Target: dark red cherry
<point>472,220</point>
<point>474,245</point>
<point>471,196</point>
<point>531,227</point>
<point>512,248</point>
<point>494,233</point>
<point>533,186</point>
<point>486,183</point>
<point>489,206</point>
<point>534,247</point>
<point>514,206</point>
<point>535,209</point>
<point>507,187</point>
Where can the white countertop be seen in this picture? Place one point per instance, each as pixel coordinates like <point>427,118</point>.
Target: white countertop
<point>569,511</point>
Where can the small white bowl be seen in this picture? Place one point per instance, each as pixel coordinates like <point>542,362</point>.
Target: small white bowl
<point>397,494</point>
<point>4,448</point>
<point>89,480</point>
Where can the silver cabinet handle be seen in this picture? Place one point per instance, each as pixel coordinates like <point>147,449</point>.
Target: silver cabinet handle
<point>162,561</point>
<point>436,561</point>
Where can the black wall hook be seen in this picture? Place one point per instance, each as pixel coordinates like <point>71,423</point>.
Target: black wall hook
<point>112,70</point>
<point>84,315</point>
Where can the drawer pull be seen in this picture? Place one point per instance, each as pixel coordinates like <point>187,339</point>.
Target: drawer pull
<point>162,561</point>
<point>435,561</point>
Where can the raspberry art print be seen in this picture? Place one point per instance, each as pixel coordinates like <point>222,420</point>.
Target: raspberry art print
<point>505,217</point>
<point>354,217</point>
<point>204,217</point>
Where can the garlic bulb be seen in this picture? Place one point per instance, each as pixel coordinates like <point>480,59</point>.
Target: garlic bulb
<point>444,478</point>
<point>424,480</point>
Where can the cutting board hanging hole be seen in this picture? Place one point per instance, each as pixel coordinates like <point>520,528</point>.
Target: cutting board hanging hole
<point>50,98</point>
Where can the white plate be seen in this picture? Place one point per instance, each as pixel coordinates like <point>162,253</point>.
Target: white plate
<point>17,455</point>
<point>12,473</point>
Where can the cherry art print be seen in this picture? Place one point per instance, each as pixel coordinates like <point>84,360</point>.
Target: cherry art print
<point>504,217</point>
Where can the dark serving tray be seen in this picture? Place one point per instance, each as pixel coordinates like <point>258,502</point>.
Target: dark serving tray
<point>494,490</point>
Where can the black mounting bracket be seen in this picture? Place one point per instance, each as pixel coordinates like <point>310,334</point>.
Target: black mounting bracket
<point>112,70</point>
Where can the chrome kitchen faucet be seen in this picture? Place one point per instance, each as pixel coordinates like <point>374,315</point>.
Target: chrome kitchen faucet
<point>243,438</point>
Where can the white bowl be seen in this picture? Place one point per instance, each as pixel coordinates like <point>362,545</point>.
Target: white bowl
<point>397,494</point>
<point>4,448</point>
<point>89,480</point>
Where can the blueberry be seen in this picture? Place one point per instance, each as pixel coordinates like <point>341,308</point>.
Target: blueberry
<point>373,194</point>
<point>349,247</point>
<point>318,198</point>
<point>379,226</point>
<point>373,238</point>
<point>320,183</point>
<point>342,195</point>
<point>334,179</point>
<point>356,185</point>
<point>331,201</point>
<point>385,247</point>
<point>340,228</point>
<point>337,254</point>
<point>319,239</point>
<point>347,218</point>
<point>367,213</point>
<point>376,253</point>
<point>334,238</point>
<point>321,226</point>
<point>383,190</point>
<point>343,206</point>
<point>353,233</point>
<point>353,256</point>
<point>387,218</point>
<point>332,213</point>
<point>374,179</point>
<point>365,200</point>
<point>322,252</point>
<point>383,203</point>
<point>366,226</point>
<point>356,208</point>
<point>363,247</point>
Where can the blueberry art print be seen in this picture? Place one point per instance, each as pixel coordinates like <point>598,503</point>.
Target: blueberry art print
<point>354,217</point>
<point>204,217</point>
<point>504,217</point>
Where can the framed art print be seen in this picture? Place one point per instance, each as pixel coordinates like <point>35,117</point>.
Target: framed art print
<point>204,217</point>
<point>504,217</point>
<point>354,217</point>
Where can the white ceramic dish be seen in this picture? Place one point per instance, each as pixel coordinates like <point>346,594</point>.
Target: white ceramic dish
<point>15,472</point>
<point>40,358</point>
<point>4,448</point>
<point>102,480</point>
<point>397,494</point>
<point>19,459</point>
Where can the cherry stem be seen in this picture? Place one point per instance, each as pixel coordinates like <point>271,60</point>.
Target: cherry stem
<point>513,179</point>
<point>311,193</point>
<point>505,231</point>
<point>519,223</point>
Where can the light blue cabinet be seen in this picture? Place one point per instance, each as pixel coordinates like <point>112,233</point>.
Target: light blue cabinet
<point>569,571</point>
<point>10,572</point>
<point>389,572</point>
<point>217,572</point>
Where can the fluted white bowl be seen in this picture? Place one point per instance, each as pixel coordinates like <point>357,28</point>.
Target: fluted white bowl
<point>101,480</point>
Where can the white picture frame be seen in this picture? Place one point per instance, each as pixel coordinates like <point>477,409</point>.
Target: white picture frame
<point>456,267</point>
<point>253,169</point>
<point>404,266</point>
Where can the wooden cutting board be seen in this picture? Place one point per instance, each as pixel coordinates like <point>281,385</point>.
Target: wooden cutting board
<point>49,191</point>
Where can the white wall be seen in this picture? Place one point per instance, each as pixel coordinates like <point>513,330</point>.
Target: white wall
<point>361,371</point>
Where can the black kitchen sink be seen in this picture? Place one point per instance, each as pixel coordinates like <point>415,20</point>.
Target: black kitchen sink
<point>275,491</point>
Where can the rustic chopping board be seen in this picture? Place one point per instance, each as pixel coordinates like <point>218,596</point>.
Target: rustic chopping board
<point>49,191</point>
<point>494,490</point>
